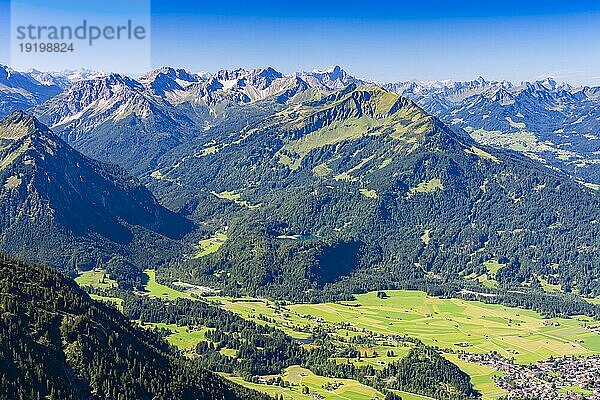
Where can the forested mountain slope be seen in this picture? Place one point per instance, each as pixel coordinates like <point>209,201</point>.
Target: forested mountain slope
<point>363,183</point>
<point>57,343</point>
<point>62,208</point>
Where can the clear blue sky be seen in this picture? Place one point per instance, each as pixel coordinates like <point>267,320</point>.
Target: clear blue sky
<point>385,41</point>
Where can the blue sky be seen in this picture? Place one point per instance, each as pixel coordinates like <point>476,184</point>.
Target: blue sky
<point>385,41</point>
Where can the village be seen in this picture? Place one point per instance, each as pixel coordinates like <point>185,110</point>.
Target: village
<point>564,378</point>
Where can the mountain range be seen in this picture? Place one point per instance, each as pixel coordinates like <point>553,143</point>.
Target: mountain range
<point>341,170</point>
<point>20,91</point>
<point>555,124</point>
<point>305,174</point>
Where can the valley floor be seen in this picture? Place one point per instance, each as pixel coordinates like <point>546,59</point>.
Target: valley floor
<point>378,323</point>
<point>450,324</point>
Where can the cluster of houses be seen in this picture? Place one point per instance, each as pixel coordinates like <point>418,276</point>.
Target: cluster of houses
<point>593,328</point>
<point>564,378</point>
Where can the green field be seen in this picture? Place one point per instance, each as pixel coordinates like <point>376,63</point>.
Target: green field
<point>99,279</point>
<point>183,337</point>
<point>210,245</point>
<point>489,278</point>
<point>548,287</point>
<point>155,289</point>
<point>186,338</point>
<point>298,377</point>
<point>595,300</point>
<point>250,308</point>
<point>236,198</point>
<point>372,194</point>
<point>493,266</point>
<point>117,302</point>
<point>445,323</point>
<point>481,377</point>
<point>429,186</point>
<point>519,141</point>
<point>95,278</point>
<point>577,390</point>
